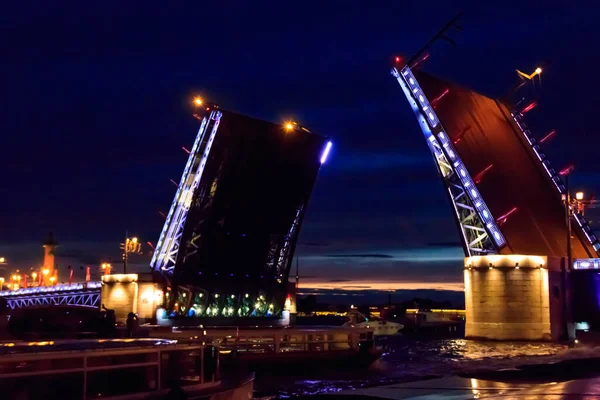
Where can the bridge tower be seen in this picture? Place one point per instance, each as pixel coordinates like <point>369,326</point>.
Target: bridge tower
<point>50,245</point>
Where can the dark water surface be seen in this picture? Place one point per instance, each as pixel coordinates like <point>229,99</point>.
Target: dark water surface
<point>409,359</point>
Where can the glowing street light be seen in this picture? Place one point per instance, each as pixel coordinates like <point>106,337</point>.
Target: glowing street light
<point>52,279</point>
<point>106,267</point>
<point>289,126</point>
<point>198,101</point>
<point>2,260</point>
<point>579,196</point>
<point>45,271</point>
<point>538,70</point>
<point>130,245</point>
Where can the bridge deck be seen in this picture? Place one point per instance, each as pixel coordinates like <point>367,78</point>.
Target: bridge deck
<point>488,135</point>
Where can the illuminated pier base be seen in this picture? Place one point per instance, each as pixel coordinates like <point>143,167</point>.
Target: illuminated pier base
<point>135,293</point>
<point>513,297</point>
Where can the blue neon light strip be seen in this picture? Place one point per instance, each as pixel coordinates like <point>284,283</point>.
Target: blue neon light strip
<point>326,152</point>
<point>171,233</point>
<point>160,251</point>
<point>558,183</point>
<point>555,177</point>
<point>51,289</point>
<point>434,124</point>
<point>586,263</point>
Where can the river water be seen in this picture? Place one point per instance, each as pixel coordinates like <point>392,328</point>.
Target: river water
<point>409,359</point>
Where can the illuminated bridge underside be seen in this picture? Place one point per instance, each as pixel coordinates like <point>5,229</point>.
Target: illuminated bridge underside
<point>489,135</point>
<point>75,295</point>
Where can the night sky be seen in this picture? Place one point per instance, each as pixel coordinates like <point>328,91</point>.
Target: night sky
<point>95,107</point>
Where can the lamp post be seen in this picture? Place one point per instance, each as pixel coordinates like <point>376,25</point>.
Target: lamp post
<point>567,314</point>
<point>131,245</point>
<point>106,267</point>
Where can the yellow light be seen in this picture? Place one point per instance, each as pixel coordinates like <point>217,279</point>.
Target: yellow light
<point>52,279</point>
<point>289,126</point>
<point>579,195</point>
<point>198,101</point>
<point>538,70</point>
<point>34,275</point>
<point>45,271</point>
<point>2,259</point>
<point>257,305</point>
<point>134,240</point>
<point>14,277</point>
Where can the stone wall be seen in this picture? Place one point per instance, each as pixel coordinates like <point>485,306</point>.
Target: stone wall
<point>127,293</point>
<point>508,302</point>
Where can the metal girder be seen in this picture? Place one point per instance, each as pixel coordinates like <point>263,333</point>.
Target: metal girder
<point>479,231</point>
<point>168,245</point>
<point>85,299</point>
<point>284,260</point>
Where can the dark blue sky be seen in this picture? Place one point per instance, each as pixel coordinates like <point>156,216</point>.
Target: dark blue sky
<point>95,108</point>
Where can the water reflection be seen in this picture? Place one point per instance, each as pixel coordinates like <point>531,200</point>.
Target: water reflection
<point>407,359</point>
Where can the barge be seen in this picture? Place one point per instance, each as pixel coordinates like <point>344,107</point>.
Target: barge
<point>117,369</point>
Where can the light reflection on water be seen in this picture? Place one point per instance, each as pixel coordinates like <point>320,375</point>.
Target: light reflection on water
<point>407,359</point>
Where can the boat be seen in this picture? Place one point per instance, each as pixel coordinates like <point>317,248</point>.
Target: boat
<point>263,348</point>
<point>380,327</point>
<point>117,369</point>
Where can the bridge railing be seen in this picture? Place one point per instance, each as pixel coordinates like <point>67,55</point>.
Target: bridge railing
<point>69,287</point>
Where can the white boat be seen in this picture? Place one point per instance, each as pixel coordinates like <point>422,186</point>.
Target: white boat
<point>380,327</point>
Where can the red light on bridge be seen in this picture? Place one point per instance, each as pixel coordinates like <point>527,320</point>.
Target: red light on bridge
<point>420,60</point>
<point>461,133</point>
<point>184,149</point>
<point>567,170</point>
<point>502,219</point>
<point>530,107</point>
<point>398,59</point>
<point>435,101</point>
<point>480,175</point>
<point>549,135</point>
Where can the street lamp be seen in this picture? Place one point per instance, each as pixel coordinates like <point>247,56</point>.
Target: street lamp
<point>2,260</point>
<point>579,196</point>
<point>131,245</point>
<point>106,268</point>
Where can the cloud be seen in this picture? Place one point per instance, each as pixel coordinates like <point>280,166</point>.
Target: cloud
<point>358,256</point>
<point>314,244</point>
<point>444,244</point>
